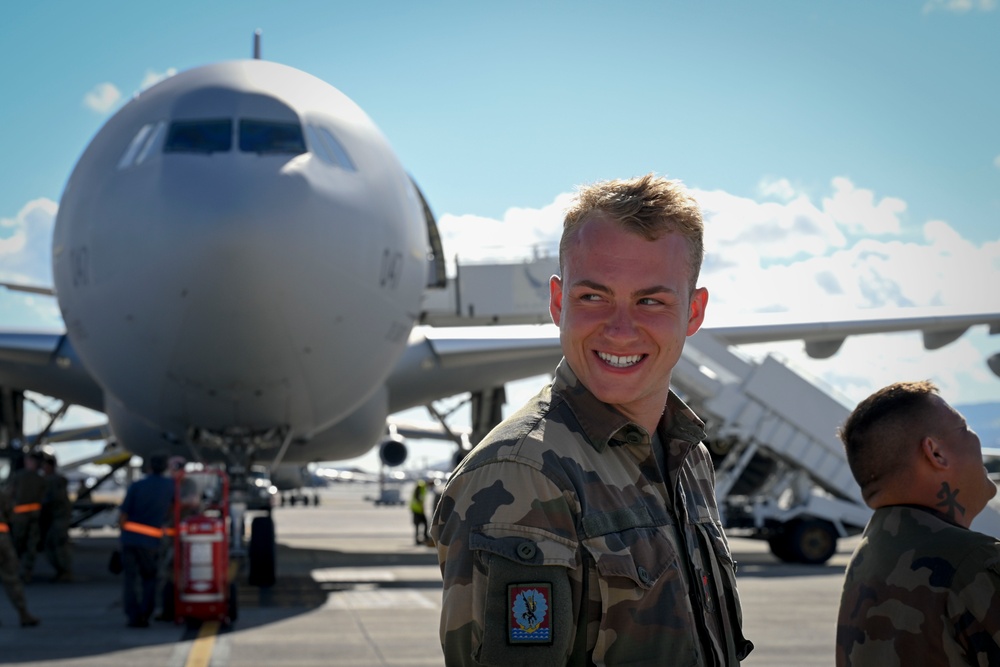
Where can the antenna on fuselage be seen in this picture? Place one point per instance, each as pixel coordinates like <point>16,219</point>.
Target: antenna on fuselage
<point>256,44</point>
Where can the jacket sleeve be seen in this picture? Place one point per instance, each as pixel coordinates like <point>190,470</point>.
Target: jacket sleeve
<point>510,565</point>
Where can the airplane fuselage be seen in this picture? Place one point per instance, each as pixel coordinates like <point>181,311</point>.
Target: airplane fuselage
<point>238,252</point>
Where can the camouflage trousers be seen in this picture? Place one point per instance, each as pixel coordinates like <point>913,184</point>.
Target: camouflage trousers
<point>26,533</point>
<point>10,576</point>
<point>57,545</point>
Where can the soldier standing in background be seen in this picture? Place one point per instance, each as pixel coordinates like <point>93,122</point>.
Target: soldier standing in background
<point>921,588</point>
<point>584,528</point>
<point>10,574</point>
<point>58,509</point>
<point>27,491</point>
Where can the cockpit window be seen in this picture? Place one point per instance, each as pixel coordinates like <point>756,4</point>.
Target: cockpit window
<point>268,136</point>
<point>327,148</point>
<point>199,136</point>
<point>142,145</point>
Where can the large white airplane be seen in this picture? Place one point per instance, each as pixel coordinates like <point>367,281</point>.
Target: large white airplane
<point>240,260</point>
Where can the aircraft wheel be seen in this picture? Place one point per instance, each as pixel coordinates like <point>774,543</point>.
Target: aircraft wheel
<point>812,541</point>
<point>261,552</point>
<point>779,544</point>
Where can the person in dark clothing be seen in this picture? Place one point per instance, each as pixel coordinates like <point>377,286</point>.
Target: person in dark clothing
<point>10,576</point>
<point>27,491</point>
<point>56,512</point>
<point>143,514</point>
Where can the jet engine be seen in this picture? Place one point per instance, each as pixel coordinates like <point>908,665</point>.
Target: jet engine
<point>994,363</point>
<point>392,451</point>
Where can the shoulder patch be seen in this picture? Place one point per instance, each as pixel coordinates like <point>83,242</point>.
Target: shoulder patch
<point>529,613</point>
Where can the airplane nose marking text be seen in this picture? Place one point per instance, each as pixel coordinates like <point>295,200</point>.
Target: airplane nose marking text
<point>392,265</point>
<point>79,266</point>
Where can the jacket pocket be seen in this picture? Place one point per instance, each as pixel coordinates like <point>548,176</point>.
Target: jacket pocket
<point>636,580</point>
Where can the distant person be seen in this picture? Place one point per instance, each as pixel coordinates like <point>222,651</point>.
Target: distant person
<point>143,515</point>
<point>921,587</point>
<point>418,502</point>
<point>27,491</point>
<point>584,528</point>
<point>10,574</point>
<point>57,509</point>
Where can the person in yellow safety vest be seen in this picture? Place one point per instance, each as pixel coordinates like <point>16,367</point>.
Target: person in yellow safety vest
<point>419,516</point>
<point>142,517</point>
<point>9,568</point>
<point>27,491</point>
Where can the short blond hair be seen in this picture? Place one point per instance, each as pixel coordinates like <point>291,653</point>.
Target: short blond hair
<point>648,205</point>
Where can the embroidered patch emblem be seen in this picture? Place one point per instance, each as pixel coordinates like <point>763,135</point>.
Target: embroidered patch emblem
<point>530,613</point>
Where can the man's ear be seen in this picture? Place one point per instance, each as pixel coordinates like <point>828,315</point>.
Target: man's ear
<point>934,453</point>
<point>696,315</point>
<point>555,299</point>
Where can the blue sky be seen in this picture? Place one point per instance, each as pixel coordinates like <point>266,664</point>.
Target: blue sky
<point>847,154</point>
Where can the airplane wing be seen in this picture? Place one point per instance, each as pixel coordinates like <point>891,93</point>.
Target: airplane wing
<point>46,362</point>
<point>445,361</point>
<point>31,289</point>
<point>441,362</point>
<point>824,338</point>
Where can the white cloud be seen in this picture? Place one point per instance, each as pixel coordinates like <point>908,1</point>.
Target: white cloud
<point>855,209</point>
<point>996,161</point>
<point>25,258</point>
<point>522,233</point>
<point>780,188</point>
<point>959,6</point>
<point>845,257</point>
<point>26,243</point>
<point>102,97</point>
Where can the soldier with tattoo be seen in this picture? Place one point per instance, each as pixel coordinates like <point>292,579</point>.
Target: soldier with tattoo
<point>584,528</point>
<point>921,588</point>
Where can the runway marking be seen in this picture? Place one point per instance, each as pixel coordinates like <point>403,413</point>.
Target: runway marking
<point>378,599</point>
<point>201,649</point>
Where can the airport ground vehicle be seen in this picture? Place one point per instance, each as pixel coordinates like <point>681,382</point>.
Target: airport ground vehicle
<point>203,590</point>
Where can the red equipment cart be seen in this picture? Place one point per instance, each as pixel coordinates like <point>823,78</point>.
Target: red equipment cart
<point>202,590</point>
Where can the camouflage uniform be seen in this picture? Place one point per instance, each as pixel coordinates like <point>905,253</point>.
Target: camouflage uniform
<point>27,491</point>
<point>9,569</point>
<point>58,507</point>
<point>920,590</point>
<point>561,543</point>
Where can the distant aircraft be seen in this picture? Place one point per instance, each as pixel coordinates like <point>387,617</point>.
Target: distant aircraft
<point>239,260</point>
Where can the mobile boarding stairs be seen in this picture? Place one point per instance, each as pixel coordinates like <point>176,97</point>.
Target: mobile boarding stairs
<point>781,470</point>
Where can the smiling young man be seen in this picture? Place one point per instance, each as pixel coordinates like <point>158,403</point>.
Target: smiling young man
<point>921,588</point>
<point>584,528</point>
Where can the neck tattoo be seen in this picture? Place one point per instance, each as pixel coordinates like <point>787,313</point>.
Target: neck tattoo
<point>949,503</point>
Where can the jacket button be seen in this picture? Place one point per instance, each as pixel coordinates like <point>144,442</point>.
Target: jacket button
<point>643,575</point>
<point>633,437</point>
<point>526,550</point>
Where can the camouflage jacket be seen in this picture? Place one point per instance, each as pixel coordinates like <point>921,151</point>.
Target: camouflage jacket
<point>26,487</point>
<point>560,542</point>
<point>920,590</point>
<point>56,501</point>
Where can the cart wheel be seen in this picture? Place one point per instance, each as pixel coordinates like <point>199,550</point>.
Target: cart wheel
<point>262,552</point>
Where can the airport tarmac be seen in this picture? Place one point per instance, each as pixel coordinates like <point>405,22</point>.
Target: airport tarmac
<point>354,590</point>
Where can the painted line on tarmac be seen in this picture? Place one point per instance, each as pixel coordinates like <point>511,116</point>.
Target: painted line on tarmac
<point>201,649</point>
